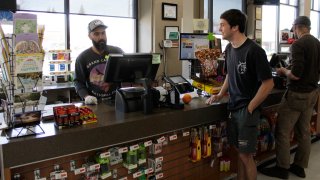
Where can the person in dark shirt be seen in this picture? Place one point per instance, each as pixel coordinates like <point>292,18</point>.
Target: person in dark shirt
<point>248,81</point>
<point>90,65</point>
<point>297,105</point>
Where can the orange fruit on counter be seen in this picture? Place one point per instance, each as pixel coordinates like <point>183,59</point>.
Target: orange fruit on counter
<point>186,98</point>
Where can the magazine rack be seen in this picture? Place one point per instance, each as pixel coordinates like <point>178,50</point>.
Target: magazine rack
<point>7,84</point>
<point>28,130</point>
<point>20,105</point>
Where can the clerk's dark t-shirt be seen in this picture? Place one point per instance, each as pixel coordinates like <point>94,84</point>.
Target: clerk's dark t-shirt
<point>89,73</point>
<point>247,66</point>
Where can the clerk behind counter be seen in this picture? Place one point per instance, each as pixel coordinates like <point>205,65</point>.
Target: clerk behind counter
<point>90,65</point>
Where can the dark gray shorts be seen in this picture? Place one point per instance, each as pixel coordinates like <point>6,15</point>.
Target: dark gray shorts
<point>242,128</point>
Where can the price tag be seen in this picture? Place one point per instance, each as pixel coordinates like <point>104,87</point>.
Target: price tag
<point>173,137</point>
<point>42,102</point>
<point>41,178</point>
<point>94,167</point>
<point>142,161</point>
<point>123,150</point>
<point>212,163</point>
<point>106,175</point>
<point>219,154</point>
<point>61,175</point>
<point>148,143</point>
<point>159,176</point>
<point>137,174</point>
<point>212,126</point>
<point>159,159</point>
<point>148,171</point>
<point>132,166</point>
<point>187,133</point>
<point>105,155</point>
<point>161,140</point>
<point>134,147</point>
<point>123,178</point>
<point>79,171</point>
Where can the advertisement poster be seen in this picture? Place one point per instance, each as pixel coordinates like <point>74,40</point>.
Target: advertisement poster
<point>190,43</point>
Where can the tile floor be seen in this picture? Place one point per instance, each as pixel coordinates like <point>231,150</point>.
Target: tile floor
<point>312,172</point>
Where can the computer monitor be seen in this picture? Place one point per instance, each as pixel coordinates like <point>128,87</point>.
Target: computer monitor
<point>192,42</point>
<point>137,68</point>
<point>266,2</point>
<point>129,68</point>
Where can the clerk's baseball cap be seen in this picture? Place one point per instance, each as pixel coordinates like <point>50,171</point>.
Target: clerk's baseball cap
<point>95,24</point>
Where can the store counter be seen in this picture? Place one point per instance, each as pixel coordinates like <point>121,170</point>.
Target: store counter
<point>111,129</point>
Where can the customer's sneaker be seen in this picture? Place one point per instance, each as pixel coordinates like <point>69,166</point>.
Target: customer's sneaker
<point>275,171</point>
<point>297,170</point>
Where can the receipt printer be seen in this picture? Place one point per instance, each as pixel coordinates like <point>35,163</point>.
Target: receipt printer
<point>129,99</point>
<point>132,99</point>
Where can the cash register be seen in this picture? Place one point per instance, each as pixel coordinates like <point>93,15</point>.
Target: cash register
<point>136,68</point>
<point>278,61</point>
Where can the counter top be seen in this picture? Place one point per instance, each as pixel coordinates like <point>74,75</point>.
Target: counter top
<point>66,85</point>
<point>111,129</point>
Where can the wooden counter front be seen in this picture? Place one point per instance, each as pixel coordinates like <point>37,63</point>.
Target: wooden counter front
<point>111,129</point>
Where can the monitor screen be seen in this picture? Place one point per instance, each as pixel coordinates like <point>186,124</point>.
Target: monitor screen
<point>190,43</point>
<point>6,5</point>
<point>266,2</point>
<point>180,84</point>
<point>129,67</point>
<point>177,79</point>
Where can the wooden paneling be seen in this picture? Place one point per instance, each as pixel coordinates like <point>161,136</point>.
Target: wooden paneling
<point>175,165</point>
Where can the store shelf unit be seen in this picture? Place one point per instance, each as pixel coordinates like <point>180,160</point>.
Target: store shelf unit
<point>267,156</point>
<point>59,67</point>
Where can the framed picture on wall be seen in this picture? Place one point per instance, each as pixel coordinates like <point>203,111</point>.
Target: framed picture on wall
<point>258,13</point>
<point>258,24</point>
<point>171,32</point>
<point>169,11</point>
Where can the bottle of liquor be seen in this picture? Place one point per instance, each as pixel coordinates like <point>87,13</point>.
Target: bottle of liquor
<point>198,145</point>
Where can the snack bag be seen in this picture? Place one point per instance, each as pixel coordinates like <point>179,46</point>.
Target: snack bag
<point>208,60</point>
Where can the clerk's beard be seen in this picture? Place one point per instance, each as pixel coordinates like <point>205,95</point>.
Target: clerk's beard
<point>101,45</point>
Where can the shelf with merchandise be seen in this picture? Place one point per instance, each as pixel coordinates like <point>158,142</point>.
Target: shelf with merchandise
<point>58,63</point>
<point>59,55</point>
<point>266,144</point>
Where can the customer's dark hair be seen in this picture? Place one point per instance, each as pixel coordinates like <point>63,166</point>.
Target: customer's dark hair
<point>235,18</point>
